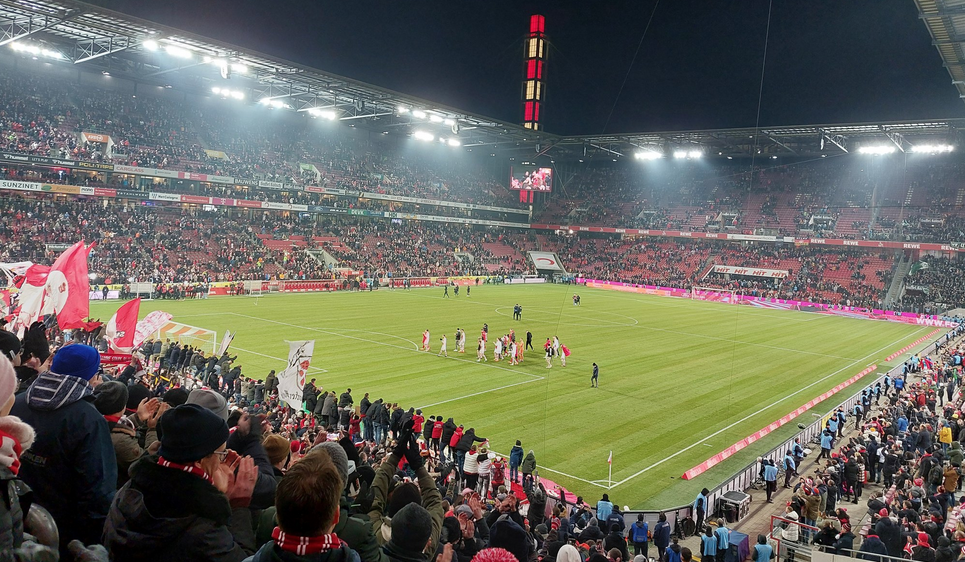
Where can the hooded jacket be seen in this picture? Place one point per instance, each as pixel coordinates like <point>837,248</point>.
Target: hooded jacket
<point>373,410</point>
<point>467,439</point>
<point>515,456</point>
<point>890,534</point>
<point>872,549</point>
<point>529,463</point>
<point>71,466</point>
<point>592,532</point>
<point>431,501</point>
<point>455,439</point>
<point>955,455</point>
<point>167,514</point>
<point>447,430</point>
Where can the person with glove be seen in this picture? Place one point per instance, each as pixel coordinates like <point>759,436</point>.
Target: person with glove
<point>413,516</point>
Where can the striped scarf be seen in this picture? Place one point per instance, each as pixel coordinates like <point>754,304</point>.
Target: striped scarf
<point>52,391</point>
<point>305,545</point>
<point>191,469</point>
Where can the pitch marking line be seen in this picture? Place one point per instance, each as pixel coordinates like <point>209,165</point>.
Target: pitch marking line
<point>319,369</point>
<point>745,418</point>
<point>669,331</point>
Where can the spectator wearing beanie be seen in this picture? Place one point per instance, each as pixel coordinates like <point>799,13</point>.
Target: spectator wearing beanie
<point>111,399</point>
<point>184,503</point>
<point>415,527</point>
<point>15,437</point>
<point>307,509</point>
<point>71,466</point>
<point>279,452</point>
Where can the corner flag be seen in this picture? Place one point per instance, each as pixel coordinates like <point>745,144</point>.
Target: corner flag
<point>609,460</point>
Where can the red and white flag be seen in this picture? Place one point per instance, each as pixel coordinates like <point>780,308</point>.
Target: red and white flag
<point>609,460</point>
<point>121,327</point>
<point>62,289</point>
<point>150,324</point>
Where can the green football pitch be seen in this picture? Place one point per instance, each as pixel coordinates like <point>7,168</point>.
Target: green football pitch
<point>679,380</point>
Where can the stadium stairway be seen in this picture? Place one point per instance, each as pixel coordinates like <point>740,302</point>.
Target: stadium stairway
<point>898,282</point>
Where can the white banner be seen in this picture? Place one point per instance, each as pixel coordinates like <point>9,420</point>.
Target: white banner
<point>150,324</point>
<point>545,260</point>
<point>750,271</point>
<point>291,381</point>
<point>226,340</point>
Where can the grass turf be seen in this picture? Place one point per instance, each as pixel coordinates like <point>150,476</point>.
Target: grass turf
<point>679,380</point>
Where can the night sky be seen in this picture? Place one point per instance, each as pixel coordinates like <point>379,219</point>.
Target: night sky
<point>699,66</point>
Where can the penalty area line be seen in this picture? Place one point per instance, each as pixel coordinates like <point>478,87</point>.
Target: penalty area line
<point>319,369</point>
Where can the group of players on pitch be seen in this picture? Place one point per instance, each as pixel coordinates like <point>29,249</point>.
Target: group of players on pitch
<point>505,347</point>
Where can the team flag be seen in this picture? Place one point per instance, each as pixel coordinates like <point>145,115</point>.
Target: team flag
<point>150,324</point>
<point>226,340</point>
<point>122,326</point>
<point>62,289</point>
<point>291,381</point>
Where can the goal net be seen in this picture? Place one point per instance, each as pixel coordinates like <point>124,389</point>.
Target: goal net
<point>198,338</point>
<point>713,294</point>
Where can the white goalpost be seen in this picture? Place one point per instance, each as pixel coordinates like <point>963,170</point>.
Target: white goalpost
<point>714,294</point>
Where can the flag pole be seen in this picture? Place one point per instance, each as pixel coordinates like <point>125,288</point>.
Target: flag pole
<point>609,476</point>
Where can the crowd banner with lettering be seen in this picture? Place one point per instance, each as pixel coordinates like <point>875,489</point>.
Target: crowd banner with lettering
<point>751,271</point>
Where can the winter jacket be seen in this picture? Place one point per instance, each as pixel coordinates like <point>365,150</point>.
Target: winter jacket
<point>167,514</point>
<point>638,532</point>
<point>529,464</point>
<point>661,535</point>
<point>593,532</point>
<point>955,455</point>
<point>471,464</point>
<point>271,383</point>
<point>872,549</point>
<point>485,464</point>
<point>447,430</point>
<point>71,466</point>
<point>615,539</point>
<point>603,510</point>
<point>437,427</point>
<point>364,405</point>
<point>12,491</point>
<point>431,501</point>
<point>395,420</point>
<point>455,439</point>
<point>127,449</point>
<point>251,446</point>
<point>890,533</point>
<point>515,456</point>
<point>324,408</point>
<point>672,554</point>
<point>372,411</point>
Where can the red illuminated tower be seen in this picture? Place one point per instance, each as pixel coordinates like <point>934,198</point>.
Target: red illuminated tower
<point>534,66</point>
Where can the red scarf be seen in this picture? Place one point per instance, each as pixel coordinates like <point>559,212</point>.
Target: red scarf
<point>114,419</point>
<point>305,545</point>
<point>185,468</point>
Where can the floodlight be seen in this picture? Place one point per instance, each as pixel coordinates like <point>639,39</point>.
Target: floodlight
<point>179,52</point>
<point>680,154</point>
<point>435,119</point>
<point>238,95</point>
<point>454,142</point>
<point>449,122</point>
<point>52,54</point>
<point>403,110</point>
<point>695,154</point>
<point>239,68</point>
<point>265,101</point>
<point>875,150</point>
<point>150,45</point>
<point>647,155</point>
<point>423,136</point>
<point>419,113</point>
<point>932,148</point>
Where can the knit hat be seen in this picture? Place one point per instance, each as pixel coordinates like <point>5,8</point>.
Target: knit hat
<point>8,381</point>
<point>338,456</point>
<point>176,396</point>
<point>463,509</point>
<point>76,360</point>
<point>136,393</point>
<point>209,399</point>
<point>411,528</point>
<point>277,448</point>
<point>191,432</point>
<point>506,533</point>
<point>883,512</point>
<point>9,345</point>
<point>401,496</point>
<point>923,539</point>
<point>110,397</point>
<point>493,554</point>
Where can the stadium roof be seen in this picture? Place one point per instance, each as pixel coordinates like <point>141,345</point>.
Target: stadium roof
<point>945,20</point>
<point>102,40</point>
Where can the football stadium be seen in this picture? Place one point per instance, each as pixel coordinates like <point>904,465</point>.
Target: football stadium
<point>264,302</point>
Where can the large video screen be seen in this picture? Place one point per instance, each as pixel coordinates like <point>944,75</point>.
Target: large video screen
<point>531,178</point>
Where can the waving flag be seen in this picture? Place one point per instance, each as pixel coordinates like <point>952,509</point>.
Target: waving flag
<point>150,324</point>
<point>291,381</point>
<point>121,327</point>
<point>226,340</point>
<point>62,289</point>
